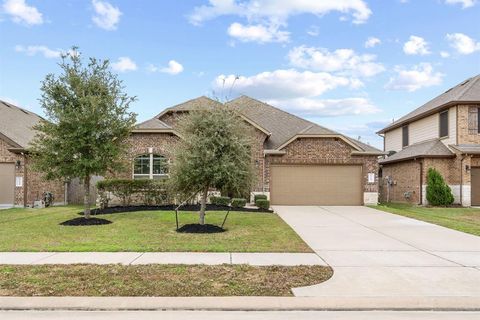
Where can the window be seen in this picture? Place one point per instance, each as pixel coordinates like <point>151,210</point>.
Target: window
<point>150,166</point>
<point>444,124</point>
<point>473,117</point>
<point>404,136</point>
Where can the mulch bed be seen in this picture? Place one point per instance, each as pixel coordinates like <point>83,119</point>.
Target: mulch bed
<point>198,228</point>
<point>85,222</point>
<point>189,207</point>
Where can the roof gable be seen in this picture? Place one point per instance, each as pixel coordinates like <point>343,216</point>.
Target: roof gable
<point>466,91</point>
<point>16,124</point>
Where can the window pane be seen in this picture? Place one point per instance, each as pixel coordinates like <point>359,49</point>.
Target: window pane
<point>444,124</point>
<point>404,136</point>
<point>160,165</point>
<point>141,165</point>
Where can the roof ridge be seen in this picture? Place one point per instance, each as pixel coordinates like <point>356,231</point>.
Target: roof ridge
<point>184,102</point>
<point>471,84</point>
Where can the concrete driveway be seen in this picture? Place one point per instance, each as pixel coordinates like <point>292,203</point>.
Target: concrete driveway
<point>374,253</point>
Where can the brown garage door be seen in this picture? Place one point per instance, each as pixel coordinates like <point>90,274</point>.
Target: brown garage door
<point>316,185</point>
<point>7,183</point>
<point>475,190</point>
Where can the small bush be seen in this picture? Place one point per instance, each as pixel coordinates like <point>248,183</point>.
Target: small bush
<point>239,202</point>
<point>438,192</point>
<point>263,204</point>
<point>220,201</point>
<point>259,196</point>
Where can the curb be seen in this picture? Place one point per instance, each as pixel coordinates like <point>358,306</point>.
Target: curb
<point>242,303</point>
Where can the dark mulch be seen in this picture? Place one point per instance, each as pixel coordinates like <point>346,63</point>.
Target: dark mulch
<point>171,207</point>
<point>198,228</point>
<point>85,222</point>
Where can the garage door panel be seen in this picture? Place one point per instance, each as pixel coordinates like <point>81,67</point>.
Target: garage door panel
<point>475,186</point>
<point>316,185</point>
<point>7,183</point>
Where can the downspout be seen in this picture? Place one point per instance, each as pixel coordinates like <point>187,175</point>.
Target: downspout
<point>421,182</point>
<point>25,184</point>
<point>461,180</point>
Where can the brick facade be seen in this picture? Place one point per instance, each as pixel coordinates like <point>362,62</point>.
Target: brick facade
<point>467,124</point>
<point>33,184</point>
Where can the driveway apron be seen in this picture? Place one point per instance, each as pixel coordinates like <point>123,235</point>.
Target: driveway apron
<point>374,253</point>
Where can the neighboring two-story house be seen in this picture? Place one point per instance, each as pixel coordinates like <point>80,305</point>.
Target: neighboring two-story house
<point>444,134</point>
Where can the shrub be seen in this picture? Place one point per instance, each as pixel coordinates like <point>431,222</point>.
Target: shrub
<point>239,202</point>
<point>220,201</point>
<point>259,196</point>
<point>263,204</point>
<point>438,192</point>
<point>152,192</point>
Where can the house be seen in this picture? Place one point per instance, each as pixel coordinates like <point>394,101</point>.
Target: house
<point>19,185</point>
<point>444,133</point>
<point>297,162</point>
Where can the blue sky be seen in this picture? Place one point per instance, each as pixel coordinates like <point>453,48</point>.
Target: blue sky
<point>350,65</point>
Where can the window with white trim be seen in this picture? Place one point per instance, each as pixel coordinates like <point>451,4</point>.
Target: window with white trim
<point>150,166</point>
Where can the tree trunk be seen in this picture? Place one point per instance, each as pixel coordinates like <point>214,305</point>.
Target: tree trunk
<point>203,206</point>
<point>86,198</point>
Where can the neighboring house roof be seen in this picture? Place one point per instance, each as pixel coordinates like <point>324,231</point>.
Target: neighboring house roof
<point>16,124</point>
<point>467,148</point>
<point>428,149</point>
<point>281,127</point>
<point>465,92</point>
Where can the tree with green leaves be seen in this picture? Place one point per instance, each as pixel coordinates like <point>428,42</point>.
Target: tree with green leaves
<point>438,192</point>
<point>87,122</point>
<point>214,152</point>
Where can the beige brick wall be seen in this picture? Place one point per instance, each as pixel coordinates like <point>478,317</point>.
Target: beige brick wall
<point>33,183</point>
<point>323,151</point>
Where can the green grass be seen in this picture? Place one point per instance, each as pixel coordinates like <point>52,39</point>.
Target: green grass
<point>39,230</point>
<point>461,219</point>
<point>157,280</point>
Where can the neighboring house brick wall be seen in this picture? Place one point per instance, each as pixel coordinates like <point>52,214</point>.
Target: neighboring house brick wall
<point>323,151</point>
<point>468,124</point>
<point>406,178</point>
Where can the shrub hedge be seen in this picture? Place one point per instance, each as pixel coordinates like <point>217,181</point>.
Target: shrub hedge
<point>263,204</point>
<point>220,201</point>
<point>151,192</point>
<point>239,202</point>
<point>438,192</point>
<point>259,196</point>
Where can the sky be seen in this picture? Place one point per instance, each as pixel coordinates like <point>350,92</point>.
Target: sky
<point>349,65</point>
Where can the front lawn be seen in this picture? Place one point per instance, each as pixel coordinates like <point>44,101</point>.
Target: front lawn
<point>39,230</point>
<point>461,219</point>
<point>157,280</point>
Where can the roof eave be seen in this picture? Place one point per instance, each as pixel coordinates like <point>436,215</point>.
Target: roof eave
<point>369,153</point>
<point>339,136</point>
<point>386,161</point>
<point>154,131</point>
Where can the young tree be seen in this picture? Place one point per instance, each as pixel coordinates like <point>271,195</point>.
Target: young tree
<point>214,152</point>
<point>87,122</point>
<point>438,192</point>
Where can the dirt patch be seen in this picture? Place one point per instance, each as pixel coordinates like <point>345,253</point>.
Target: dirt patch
<point>190,207</point>
<point>85,222</point>
<point>198,228</point>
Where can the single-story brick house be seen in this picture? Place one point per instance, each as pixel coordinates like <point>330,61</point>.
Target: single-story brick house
<point>297,162</point>
<point>444,133</point>
<point>19,185</point>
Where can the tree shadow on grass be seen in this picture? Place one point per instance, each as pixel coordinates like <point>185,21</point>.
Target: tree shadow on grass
<point>85,222</point>
<point>198,228</point>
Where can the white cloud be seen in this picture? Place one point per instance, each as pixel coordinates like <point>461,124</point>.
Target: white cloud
<point>313,31</point>
<point>124,64</point>
<point>372,42</point>
<point>40,49</point>
<point>327,107</point>
<point>173,68</point>
<point>257,33</point>
<point>416,46</point>
<point>21,12</point>
<point>444,54</point>
<point>279,11</point>
<point>284,84</point>
<point>106,16</point>
<point>464,3</point>
<point>462,43</point>
<point>344,61</point>
<point>420,76</point>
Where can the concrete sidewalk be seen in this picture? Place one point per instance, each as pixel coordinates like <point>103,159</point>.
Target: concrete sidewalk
<point>139,258</point>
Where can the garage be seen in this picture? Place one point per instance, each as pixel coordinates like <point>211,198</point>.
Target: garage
<point>316,185</point>
<point>475,186</point>
<point>7,184</point>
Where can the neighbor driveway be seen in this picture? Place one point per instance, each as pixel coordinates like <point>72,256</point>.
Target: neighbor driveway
<point>374,253</point>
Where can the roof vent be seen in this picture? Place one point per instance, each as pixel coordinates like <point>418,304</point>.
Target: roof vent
<point>24,111</point>
<point>464,82</point>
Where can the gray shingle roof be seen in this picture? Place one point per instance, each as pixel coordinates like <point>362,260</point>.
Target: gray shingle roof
<point>467,148</point>
<point>202,102</point>
<point>431,148</point>
<point>466,91</point>
<point>17,124</point>
<point>153,123</point>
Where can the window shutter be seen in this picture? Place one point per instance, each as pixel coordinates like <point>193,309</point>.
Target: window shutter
<point>473,116</point>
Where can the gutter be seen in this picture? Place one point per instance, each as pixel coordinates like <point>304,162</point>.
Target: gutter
<point>273,152</point>
<point>415,157</point>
